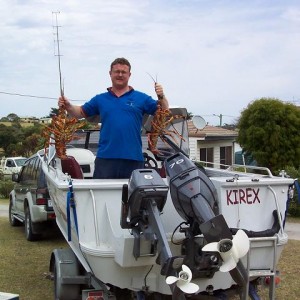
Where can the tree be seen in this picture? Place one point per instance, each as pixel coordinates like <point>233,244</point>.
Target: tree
<point>32,140</point>
<point>24,141</point>
<point>269,130</point>
<point>8,135</point>
<point>189,116</point>
<point>13,117</point>
<point>32,144</point>
<point>53,112</point>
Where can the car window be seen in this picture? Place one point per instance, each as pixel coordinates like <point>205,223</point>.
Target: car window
<point>24,173</point>
<point>41,179</point>
<point>28,170</point>
<point>31,169</point>
<point>20,161</point>
<point>10,163</point>
<point>35,168</point>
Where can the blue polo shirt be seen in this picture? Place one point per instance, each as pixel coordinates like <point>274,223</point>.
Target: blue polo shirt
<point>121,118</point>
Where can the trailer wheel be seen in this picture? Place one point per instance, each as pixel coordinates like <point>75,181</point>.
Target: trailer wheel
<point>65,264</point>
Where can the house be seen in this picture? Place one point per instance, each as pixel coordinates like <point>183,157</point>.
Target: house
<point>29,120</point>
<point>45,120</point>
<point>212,144</point>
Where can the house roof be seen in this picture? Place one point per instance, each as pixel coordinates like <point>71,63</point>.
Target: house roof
<point>211,132</point>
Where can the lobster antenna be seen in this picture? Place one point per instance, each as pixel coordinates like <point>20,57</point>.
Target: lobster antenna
<point>154,79</point>
<point>57,40</point>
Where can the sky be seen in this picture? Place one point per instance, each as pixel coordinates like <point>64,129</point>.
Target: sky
<point>212,57</point>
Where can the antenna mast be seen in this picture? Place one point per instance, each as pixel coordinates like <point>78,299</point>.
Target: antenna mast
<point>55,27</point>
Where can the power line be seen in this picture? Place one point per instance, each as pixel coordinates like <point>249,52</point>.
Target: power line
<point>24,95</point>
<point>215,115</point>
<point>33,96</point>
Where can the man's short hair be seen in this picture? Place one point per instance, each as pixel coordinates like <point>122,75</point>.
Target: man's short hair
<point>121,61</point>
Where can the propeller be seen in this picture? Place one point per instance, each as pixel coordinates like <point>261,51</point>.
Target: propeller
<point>230,250</point>
<point>183,281</point>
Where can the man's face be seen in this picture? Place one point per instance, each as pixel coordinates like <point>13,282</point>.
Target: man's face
<point>119,75</point>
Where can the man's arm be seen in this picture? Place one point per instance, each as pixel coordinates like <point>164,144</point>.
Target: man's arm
<point>164,102</point>
<point>73,110</point>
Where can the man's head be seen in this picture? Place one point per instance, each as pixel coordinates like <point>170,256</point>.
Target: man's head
<point>120,61</point>
<point>120,73</point>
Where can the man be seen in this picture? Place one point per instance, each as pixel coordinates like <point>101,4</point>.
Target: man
<point>121,110</point>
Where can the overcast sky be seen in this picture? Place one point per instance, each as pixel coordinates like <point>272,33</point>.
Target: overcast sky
<point>212,57</point>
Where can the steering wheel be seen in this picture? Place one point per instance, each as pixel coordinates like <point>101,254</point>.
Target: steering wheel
<point>149,162</point>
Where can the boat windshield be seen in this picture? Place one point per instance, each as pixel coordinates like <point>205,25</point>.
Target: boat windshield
<point>175,138</point>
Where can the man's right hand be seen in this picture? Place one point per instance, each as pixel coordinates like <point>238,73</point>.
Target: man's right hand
<point>63,102</point>
<point>73,110</point>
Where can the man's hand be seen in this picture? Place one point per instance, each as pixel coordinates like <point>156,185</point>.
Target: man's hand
<point>73,110</point>
<point>159,91</point>
<point>162,100</point>
<point>63,102</point>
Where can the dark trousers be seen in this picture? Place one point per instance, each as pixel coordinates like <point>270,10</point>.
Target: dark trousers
<point>115,168</point>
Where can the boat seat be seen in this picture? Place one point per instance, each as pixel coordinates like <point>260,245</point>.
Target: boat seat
<point>85,158</point>
<point>70,166</point>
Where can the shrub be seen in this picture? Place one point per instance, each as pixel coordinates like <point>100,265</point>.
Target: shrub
<point>293,172</point>
<point>294,206</point>
<point>6,186</point>
<point>294,209</point>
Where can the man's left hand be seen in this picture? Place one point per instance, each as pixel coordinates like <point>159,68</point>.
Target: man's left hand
<point>159,91</point>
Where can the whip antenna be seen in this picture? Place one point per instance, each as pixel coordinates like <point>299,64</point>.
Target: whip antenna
<point>57,40</point>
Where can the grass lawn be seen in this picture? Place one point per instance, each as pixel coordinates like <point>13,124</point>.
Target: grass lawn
<point>24,265</point>
<point>4,201</point>
<point>289,263</point>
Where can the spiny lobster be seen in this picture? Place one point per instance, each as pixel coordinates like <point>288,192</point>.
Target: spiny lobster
<point>61,130</point>
<point>161,120</point>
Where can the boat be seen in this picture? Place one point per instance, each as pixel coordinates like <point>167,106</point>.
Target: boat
<point>174,230</point>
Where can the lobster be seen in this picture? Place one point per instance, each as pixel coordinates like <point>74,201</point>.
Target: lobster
<point>61,130</point>
<point>161,120</point>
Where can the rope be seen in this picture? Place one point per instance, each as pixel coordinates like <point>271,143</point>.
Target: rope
<point>71,204</point>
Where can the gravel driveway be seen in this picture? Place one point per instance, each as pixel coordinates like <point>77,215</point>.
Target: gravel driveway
<point>4,210</point>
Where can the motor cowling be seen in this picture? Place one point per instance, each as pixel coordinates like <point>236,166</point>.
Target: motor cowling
<point>193,194</point>
<point>145,184</point>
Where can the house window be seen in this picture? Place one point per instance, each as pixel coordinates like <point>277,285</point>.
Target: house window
<point>225,156</point>
<point>207,154</point>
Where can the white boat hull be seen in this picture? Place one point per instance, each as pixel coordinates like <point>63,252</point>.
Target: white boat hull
<point>106,250</point>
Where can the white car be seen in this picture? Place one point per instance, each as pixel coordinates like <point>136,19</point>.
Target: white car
<point>11,165</point>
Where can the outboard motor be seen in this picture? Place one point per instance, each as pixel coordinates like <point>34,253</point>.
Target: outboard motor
<point>142,202</point>
<point>195,199</point>
<point>193,194</point>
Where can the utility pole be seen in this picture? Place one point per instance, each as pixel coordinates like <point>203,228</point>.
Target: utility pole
<point>220,116</point>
